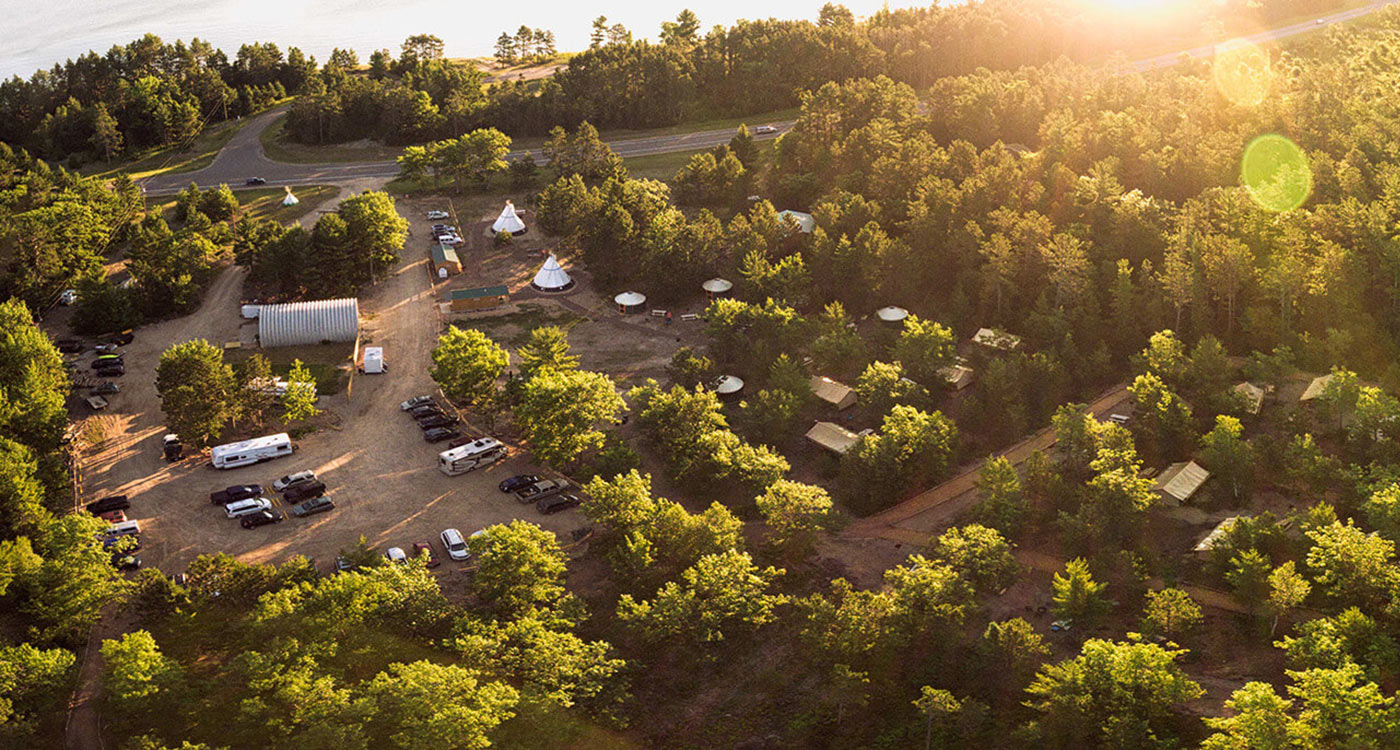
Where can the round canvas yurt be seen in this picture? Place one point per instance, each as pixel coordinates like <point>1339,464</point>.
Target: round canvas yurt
<point>630,302</point>
<point>726,386</point>
<point>552,277</point>
<point>289,199</point>
<point>715,288</point>
<point>508,221</point>
<point>892,315</point>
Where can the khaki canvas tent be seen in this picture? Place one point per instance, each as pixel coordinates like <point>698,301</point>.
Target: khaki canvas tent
<point>1316,387</point>
<point>1213,538</point>
<point>958,376</point>
<point>1180,481</point>
<point>833,437</point>
<point>996,339</point>
<point>1253,396</point>
<point>832,392</point>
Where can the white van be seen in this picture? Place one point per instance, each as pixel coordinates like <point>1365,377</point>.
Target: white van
<point>125,528</point>
<point>247,507</point>
<point>249,452</point>
<point>474,455</point>
<point>454,543</point>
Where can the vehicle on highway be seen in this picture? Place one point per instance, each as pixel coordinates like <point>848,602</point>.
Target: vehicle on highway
<point>114,502</point>
<point>247,507</point>
<point>439,434</point>
<point>765,129</point>
<point>69,346</point>
<point>249,452</point>
<point>552,505</point>
<point>435,215</point>
<point>304,491</point>
<point>476,454</point>
<point>396,554</point>
<point>540,490</point>
<point>293,478</point>
<point>519,480</point>
<point>235,493</point>
<point>436,420</point>
<point>96,403</point>
<point>106,389</point>
<point>424,549</point>
<point>313,506</point>
<point>415,402</point>
<point>261,518</point>
<point>125,562</point>
<point>255,181</point>
<point>454,543</point>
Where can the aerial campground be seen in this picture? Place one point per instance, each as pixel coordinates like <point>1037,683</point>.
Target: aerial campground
<point>995,374</point>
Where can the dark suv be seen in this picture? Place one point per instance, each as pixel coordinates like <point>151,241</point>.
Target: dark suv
<point>304,490</point>
<point>437,420</point>
<point>235,493</point>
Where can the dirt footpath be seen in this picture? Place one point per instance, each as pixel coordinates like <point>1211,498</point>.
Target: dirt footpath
<point>377,468</point>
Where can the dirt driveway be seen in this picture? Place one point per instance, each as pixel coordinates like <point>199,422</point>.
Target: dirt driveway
<point>378,469</point>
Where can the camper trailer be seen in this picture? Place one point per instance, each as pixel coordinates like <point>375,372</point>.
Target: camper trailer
<point>249,452</point>
<point>473,455</point>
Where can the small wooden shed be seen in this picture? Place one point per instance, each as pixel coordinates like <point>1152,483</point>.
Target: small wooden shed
<point>480,298</point>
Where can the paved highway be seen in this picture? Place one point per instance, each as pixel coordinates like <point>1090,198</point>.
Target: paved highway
<point>243,156</point>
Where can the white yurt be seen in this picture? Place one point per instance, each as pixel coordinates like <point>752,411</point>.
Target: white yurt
<point>552,277</point>
<point>508,221</point>
<point>892,315</point>
<point>630,302</point>
<point>717,287</point>
<point>289,199</point>
<point>725,386</point>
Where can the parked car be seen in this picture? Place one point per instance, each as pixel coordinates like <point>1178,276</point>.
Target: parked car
<point>396,554</point>
<point>125,562</point>
<point>96,403</point>
<point>123,338</point>
<point>255,181</point>
<point>343,565</point>
<point>765,129</point>
<point>69,346</point>
<point>312,507</point>
<point>455,545</point>
<point>293,478</point>
<point>304,491</point>
<point>172,447</point>
<point>540,490</point>
<point>437,420</point>
<point>439,434</point>
<point>108,360</point>
<point>68,297</point>
<point>114,502</point>
<point>108,348</point>
<point>552,505</point>
<point>235,493</point>
<point>416,401</point>
<point>435,215</point>
<point>422,549</point>
<point>426,410</point>
<point>247,507</point>
<point>106,389</point>
<point>110,371</point>
<point>112,516</point>
<point>519,480</point>
<point>261,518</point>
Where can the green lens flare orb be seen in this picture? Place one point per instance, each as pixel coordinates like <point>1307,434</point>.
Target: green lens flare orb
<point>1276,173</point>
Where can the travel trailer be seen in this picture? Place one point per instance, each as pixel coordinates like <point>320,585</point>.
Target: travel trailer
<point>249,452</point>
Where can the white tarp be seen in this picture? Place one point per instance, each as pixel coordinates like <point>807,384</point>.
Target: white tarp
<point>508,221</point>
<point>552,277</point>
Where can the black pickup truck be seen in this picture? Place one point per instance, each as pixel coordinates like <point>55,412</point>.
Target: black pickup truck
<point>235,493</point>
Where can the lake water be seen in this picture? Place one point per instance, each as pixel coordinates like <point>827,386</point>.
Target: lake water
<point>39,34</point>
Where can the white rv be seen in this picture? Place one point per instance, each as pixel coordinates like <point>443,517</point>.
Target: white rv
<point>249,452</point>
<point>474,455</point>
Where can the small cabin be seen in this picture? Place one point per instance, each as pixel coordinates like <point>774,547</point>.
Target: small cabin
<point>480,298</point>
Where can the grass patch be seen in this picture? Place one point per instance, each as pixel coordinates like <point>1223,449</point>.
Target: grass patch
<point>266,203</point>
<point>544,726</point>
<point>278,148</point>
<point>171,159</point>
<point>330,379</point>
<point>526,318</point>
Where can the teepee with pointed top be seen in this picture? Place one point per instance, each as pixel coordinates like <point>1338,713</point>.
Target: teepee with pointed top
<point>289,199</point>
<point>552,277</point>
<point>508,221</point>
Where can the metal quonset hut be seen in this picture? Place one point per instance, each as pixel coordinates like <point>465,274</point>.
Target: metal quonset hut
<point>302,323</point>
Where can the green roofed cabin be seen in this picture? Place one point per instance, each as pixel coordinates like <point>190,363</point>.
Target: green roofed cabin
<point>445,257</point>
<point>481,298</point>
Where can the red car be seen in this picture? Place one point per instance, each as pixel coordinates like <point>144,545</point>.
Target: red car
<point>423,548</point>
<point>115,516</point>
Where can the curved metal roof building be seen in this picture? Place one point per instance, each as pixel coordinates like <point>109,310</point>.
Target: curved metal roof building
<point>302,323</point>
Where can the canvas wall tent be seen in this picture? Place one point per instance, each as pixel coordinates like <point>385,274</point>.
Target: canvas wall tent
<point>717,288</point>
<point>445,259</point>
<point>289,199</point>
<point>508,221</point>
<point>552,277</point>
<point>1180,481</point>
<point>957,376</point>
<point>1208,542</point>
<point>833,437</point>
<point>630,302</point>
<point>302,323</point>
<point>832,392</point>
<point>1316,387</point>
<point>1253,396</point>
<point>806,223</point>
<point>996,339</point>
<point>480,298</point>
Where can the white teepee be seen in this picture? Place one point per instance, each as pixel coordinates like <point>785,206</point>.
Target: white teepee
<point>551,277</point>
<point>508,221</point>
<point>289,199</point>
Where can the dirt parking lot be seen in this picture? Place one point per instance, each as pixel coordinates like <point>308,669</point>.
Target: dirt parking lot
<point>377,468</point>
